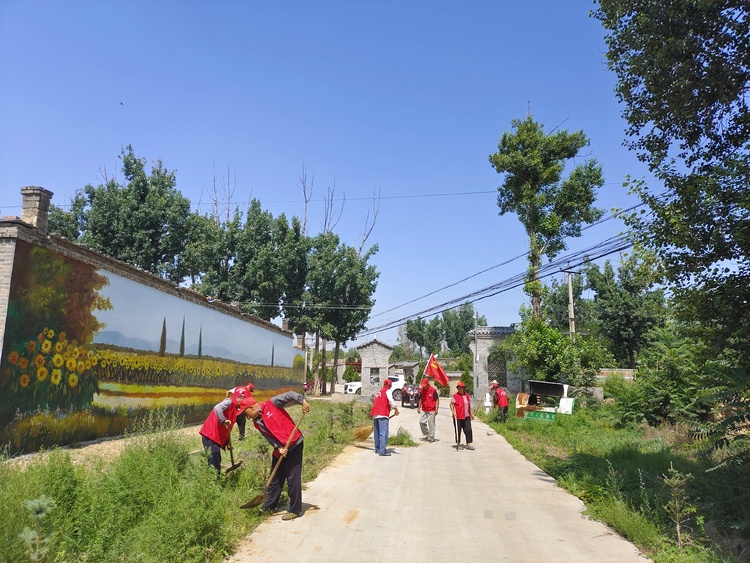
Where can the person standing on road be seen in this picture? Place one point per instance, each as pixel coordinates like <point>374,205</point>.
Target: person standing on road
<point>380,413</point>
<point>501,401</point>
<point>427,409</point>
<point>237,394</point>
<point>463,415</point>
<point>278,428</point>
<point>215,431</point>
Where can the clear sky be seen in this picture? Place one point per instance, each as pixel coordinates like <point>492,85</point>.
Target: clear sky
<point>402,98</point>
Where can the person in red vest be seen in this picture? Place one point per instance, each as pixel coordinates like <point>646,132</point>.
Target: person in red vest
<point>427,409</point>
<point>380,413</point>
<point>239,393</point>
<point>462,414</point>
<point>501,401</point>
<point>215,430</point>
<point>277,427</point>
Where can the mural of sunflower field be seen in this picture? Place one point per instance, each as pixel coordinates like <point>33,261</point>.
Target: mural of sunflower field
<point>66,376</point>
<point>47,360</point>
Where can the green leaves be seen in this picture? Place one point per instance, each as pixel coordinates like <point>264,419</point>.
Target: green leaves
<point>549,206</point>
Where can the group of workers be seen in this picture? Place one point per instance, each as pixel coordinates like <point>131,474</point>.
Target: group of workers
<point>275,425</point>
<point>271,419</point>
<point>429,403</point>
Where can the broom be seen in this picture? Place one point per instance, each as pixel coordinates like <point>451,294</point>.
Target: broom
<point>363,432</point>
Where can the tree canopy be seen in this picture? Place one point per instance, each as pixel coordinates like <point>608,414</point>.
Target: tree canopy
<point>549,206</point>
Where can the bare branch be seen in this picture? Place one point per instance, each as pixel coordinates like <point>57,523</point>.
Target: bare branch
<point>307,196</point>
<point>329,221</point>
<point>369,227</point>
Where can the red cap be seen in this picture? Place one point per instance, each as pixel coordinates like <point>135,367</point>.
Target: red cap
<point>387,383</point>
<point>247,402</point>
<point>250,387</point>
<point>460,384</point>
<point>425,382</point>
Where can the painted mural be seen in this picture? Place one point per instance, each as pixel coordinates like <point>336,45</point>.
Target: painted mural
<point>87,353</point>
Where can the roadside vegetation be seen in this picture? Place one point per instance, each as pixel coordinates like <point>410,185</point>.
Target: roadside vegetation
<point>155,501</point>
<point>653,485</point>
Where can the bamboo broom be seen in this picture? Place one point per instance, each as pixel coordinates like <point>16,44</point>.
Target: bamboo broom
<point>363,432</point>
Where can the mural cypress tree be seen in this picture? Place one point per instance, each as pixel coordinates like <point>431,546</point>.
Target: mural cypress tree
<point>182,338</point>
<point>163,339</point>
<point>200,342</point>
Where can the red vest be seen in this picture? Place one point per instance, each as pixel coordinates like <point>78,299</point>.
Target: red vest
<point>502,397</point>
<point>279,424</point>
<point>214,430</point>
<point>461,407</point>
<point>381,406</point>
<point>428,398</point>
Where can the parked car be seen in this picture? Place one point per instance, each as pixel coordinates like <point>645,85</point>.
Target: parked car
<point>353,388</point>
<point>308,386</point>
<point>410,395</point>
<point>398,383</point>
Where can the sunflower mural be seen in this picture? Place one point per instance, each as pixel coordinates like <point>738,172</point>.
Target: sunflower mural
<point>47,360</point>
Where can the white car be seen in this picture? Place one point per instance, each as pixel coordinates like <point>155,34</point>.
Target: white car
<point>353,388</point>
<point>398,383</point>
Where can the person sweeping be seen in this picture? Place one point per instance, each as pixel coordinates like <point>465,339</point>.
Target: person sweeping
<point>277,427</point>
<point>381,409</point>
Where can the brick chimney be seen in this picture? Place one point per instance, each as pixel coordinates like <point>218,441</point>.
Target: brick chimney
<point>36,207</point>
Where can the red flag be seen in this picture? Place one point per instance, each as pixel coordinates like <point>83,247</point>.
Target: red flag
<point>433,369</point>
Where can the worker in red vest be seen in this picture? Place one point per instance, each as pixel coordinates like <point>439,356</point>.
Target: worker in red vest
<point>239,393</point>
<point>462,414</point>
<point>501,401</point>
<point>380,413</point>
<point>278,428</point>
<point>427,409</point>
<point>215,430</point>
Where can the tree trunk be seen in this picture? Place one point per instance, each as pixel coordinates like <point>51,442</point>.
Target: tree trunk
<point>323,390</point>
<point>316,369</point>
<point>334,375</point>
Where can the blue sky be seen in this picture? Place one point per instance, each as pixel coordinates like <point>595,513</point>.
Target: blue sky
<point>407,99</point>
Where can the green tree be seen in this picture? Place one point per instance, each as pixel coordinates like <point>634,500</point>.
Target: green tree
<point>415,332</point>
<point>143,222</point>
<point>626,305</point>
<point>434,336</point>
<point>349,283</point>
<point>182,338</point>
<point>549,206</point>
<point>683,75</point>
<point>163,338</point>
<point>456,326</point>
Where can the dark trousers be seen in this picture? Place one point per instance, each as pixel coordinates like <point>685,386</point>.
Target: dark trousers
<point>241,422</point>
<point>465,425</point>
<point>290,470</point>
<point>214,456</point>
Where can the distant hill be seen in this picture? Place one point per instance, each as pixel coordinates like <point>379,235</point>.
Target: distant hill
<point>115,338</point>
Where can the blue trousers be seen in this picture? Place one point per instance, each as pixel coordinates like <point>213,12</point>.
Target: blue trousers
<point>380,434</point>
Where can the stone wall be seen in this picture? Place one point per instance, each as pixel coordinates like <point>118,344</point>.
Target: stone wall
<point>375,356</point>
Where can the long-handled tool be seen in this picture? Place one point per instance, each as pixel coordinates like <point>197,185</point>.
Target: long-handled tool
<point>262,497</point>
<point>231,455</point>
<point>363,432</point>
<point>455,431</point>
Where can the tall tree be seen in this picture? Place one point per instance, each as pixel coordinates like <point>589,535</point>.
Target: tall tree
<point>415,331</point>
<point>144,221</point>
<point>434,336</point>
<point>457,323</point>
<point>627,305</point>
<point>549,206</point>
<point>683,77</point>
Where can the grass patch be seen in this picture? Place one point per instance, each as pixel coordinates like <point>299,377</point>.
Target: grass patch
<point>155,501</point>
<point>401,438</point>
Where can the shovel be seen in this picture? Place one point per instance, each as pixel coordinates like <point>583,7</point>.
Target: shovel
<point>262,497</point>
<point>231,455</point>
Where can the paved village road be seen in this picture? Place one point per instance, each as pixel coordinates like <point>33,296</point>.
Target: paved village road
<point>431,504</point>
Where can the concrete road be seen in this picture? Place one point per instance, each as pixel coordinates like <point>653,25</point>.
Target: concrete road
<point>433,503</point>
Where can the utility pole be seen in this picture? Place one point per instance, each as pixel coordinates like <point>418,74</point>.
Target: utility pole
<point>571,310</point>
<point>476,353</point>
